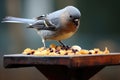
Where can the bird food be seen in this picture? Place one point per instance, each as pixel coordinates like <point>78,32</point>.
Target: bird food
<point>55,50</point>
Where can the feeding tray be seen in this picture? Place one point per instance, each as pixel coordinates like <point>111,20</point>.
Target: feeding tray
<point>76,67</point>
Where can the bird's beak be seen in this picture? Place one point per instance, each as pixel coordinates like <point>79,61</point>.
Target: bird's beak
<point>76,22</point>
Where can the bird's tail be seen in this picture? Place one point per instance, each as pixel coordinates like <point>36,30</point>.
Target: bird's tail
<point>10,19</point>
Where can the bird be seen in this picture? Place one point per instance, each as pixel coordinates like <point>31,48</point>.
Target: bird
<point>58,25</point>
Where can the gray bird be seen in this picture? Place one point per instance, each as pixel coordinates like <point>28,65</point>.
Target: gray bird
<point>58,25</point>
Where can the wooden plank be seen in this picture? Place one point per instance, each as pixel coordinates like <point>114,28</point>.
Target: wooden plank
<point>20,60</point>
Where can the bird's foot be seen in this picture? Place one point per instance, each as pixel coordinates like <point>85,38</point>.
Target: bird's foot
<point>66,47</point>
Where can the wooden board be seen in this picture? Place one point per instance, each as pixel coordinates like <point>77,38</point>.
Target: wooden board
<point>20,60</point>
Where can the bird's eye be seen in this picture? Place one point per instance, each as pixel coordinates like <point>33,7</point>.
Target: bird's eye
<point>70,16</point>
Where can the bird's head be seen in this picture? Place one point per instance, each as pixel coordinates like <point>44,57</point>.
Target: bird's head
<point>73,14</point>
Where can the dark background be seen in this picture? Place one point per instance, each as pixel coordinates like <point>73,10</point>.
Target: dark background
<point>100,27</point>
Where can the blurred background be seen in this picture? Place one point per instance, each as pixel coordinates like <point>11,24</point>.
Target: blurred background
<point>99,28</point>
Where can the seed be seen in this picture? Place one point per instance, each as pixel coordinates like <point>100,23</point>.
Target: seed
<point>32,52</point>
<point>28,53</point>
<point>66,53</point>
<point>96,52</point>
<point>90,53</point>
<point>52,46</point>
<point>57,52</point>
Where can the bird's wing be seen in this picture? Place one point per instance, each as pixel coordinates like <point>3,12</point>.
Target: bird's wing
<point>43,25</point>
<point>42,17</point>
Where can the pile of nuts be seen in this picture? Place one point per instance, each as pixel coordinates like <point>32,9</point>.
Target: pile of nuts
<point>54,50</point>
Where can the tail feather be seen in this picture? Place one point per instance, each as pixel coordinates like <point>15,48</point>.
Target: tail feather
<point>10,19</point>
